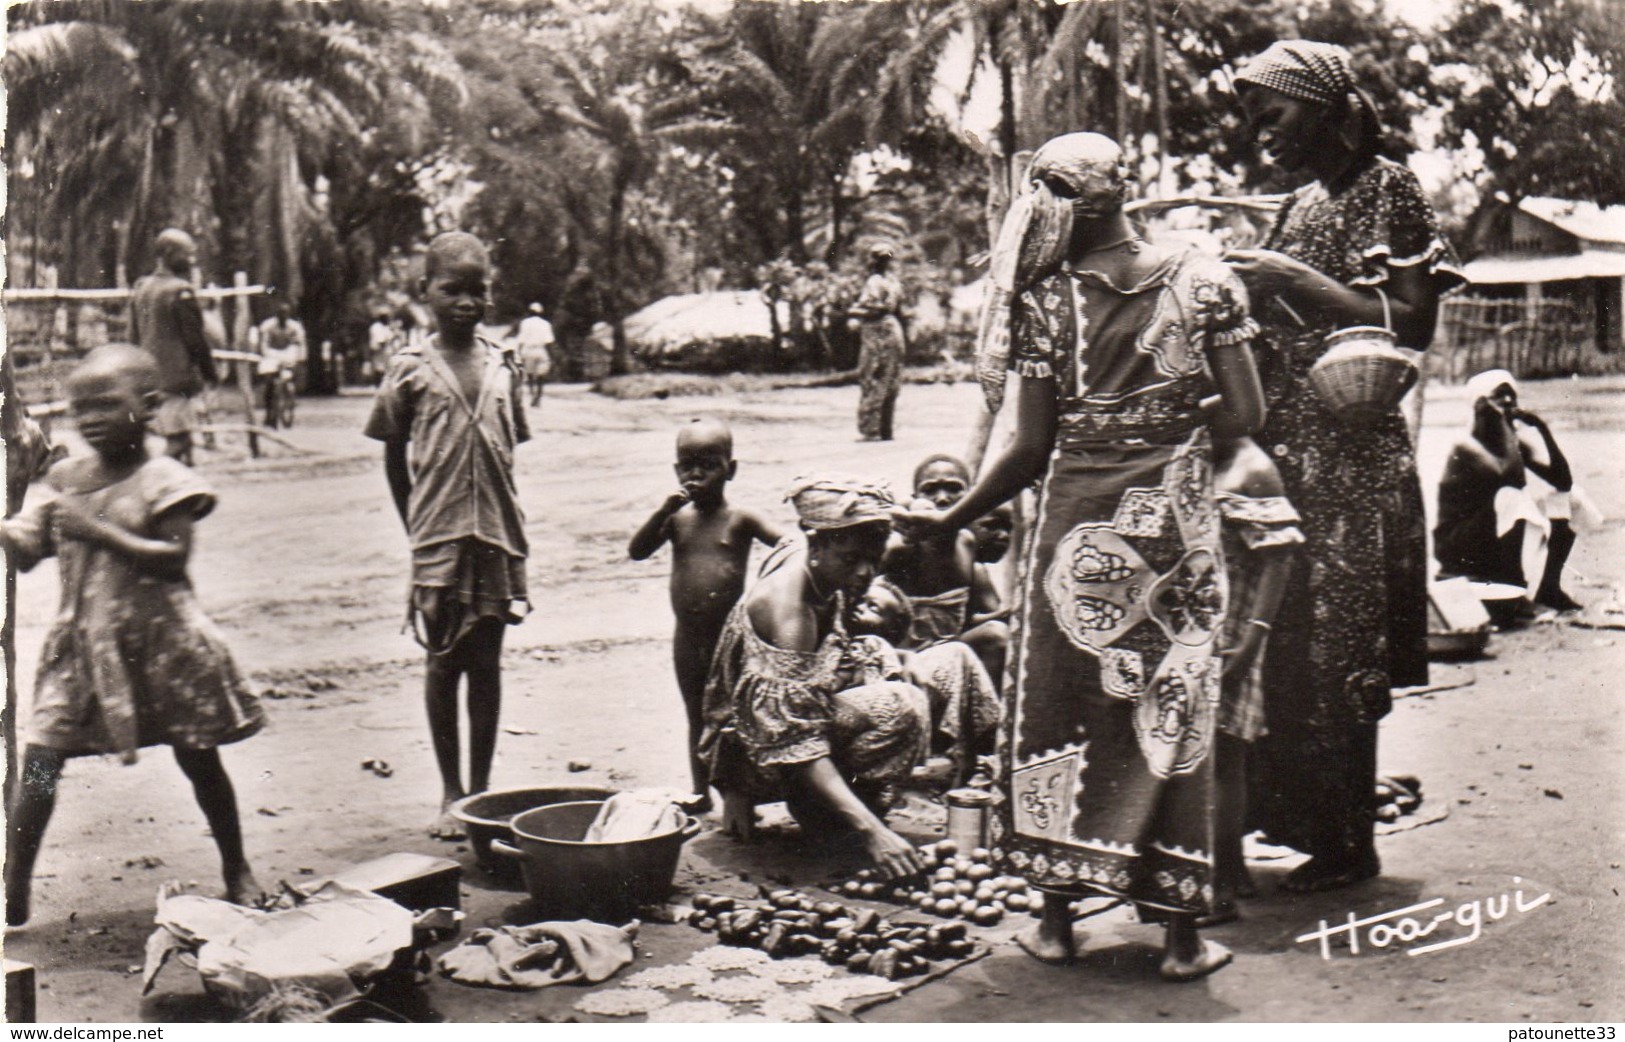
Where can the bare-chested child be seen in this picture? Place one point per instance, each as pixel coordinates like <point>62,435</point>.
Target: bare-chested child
<point>710,540</point>
<point>953,599</point>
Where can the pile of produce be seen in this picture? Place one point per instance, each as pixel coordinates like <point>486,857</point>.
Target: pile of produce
<point>954,885</point>
<point>787,923</point>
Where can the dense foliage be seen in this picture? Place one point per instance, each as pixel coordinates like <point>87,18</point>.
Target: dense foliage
<point>616,152</point>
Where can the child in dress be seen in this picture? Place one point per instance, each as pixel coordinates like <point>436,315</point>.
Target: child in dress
<point>131,660</point>
<point>455,400</point>
<point>1259,531</point>
<point>710,542</point>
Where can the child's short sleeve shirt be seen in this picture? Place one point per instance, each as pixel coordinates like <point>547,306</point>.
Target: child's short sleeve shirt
<point>462,452</point>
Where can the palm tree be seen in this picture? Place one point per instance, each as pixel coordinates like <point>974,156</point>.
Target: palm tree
<point>604,84</point>
<point>241,120</point>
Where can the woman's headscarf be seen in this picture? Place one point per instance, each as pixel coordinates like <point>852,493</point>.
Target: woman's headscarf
<point>826,503</point>
<point>1321,73</point>
<point>1033,240</point>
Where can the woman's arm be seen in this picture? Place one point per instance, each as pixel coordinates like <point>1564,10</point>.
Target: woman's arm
<point>1241,407</point>
<point>892,854</point>
<point>1022,462</point>
<point>163,557</point>
<point>1413,299</point>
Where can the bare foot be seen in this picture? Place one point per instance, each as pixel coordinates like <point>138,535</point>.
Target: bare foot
<point>1045,946</point>
<point>1209,957</point>
<point>446,827</point>
<point>738,817</point>
<point>242,888</point>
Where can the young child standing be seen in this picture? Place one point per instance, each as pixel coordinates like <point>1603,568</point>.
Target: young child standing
<point>1258,527</point>
<point>454,400</point>
<point>131,659</point>
<point>710,541</point>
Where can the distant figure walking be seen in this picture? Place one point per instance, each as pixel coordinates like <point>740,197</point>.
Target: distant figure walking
<point>536,342</point>
<point>880,359</point>
<point>168,324</point>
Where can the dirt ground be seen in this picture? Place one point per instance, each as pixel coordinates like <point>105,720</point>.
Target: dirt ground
<point>304,565</point>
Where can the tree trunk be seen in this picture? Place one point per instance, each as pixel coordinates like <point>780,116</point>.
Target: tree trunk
<point>795,225</point>
<point>620,362</point>
<point>837,211</point>
<point>1119,77</point>
<point>1159,97</point>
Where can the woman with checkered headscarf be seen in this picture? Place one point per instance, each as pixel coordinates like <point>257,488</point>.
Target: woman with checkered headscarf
<point>1357,245</point>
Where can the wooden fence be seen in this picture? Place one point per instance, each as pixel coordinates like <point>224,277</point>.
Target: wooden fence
<point>48,329</point>
<point>1529,338</point>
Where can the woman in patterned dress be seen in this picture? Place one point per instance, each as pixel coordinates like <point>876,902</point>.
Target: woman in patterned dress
<point>880,358</point>
<point>1105,750</point>
<point>785,719</point>
<point>1354,246</point>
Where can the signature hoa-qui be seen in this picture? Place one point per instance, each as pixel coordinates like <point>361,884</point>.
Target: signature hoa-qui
<point>1412,923</point>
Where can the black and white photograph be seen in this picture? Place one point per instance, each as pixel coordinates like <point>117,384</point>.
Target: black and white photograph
<point>797,512</point>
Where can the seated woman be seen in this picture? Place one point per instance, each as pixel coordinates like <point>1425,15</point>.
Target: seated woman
<point>953,599</point>
<point>781,719</point>
<point>1490,529</point>
<point>964,701</point>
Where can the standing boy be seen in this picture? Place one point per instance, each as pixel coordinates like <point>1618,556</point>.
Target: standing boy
<point>166,321</point>
<point>710,543</point>
<point>455,399</point>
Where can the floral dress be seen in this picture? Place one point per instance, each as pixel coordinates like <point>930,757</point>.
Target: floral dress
<point>768,707</point>
<point>1353,622</point>
<point>1105,750</point>
<point>880,356</point>
<point>131,659</point>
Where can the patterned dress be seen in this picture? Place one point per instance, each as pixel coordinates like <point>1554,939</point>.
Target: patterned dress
<point>1108,779</point>
<point>880,357</point>
<point>131,659</point>
<point>768,707</point>
<point>1353,622</point>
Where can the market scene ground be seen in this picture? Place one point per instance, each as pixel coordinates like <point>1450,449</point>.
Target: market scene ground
<point>303,566</point>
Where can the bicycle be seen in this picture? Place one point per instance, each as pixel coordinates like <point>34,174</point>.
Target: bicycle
<point>280,399</point>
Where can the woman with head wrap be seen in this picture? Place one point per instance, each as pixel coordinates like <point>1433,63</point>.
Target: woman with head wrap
<point>878,313</point>
<point>1358,245</point>
<point>782,721</point>
<point>1491,530</point>
<point>1116,344</point>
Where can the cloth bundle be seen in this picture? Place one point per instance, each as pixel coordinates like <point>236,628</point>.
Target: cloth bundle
<point>541,955</point>
<point>627,816</point>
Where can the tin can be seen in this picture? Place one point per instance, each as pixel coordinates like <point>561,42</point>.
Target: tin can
<point>968,811</point>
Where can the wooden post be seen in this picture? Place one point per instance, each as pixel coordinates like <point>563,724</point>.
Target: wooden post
<point>245,378</point>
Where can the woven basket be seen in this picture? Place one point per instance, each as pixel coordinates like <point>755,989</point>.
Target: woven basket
<point>1362,374</point>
